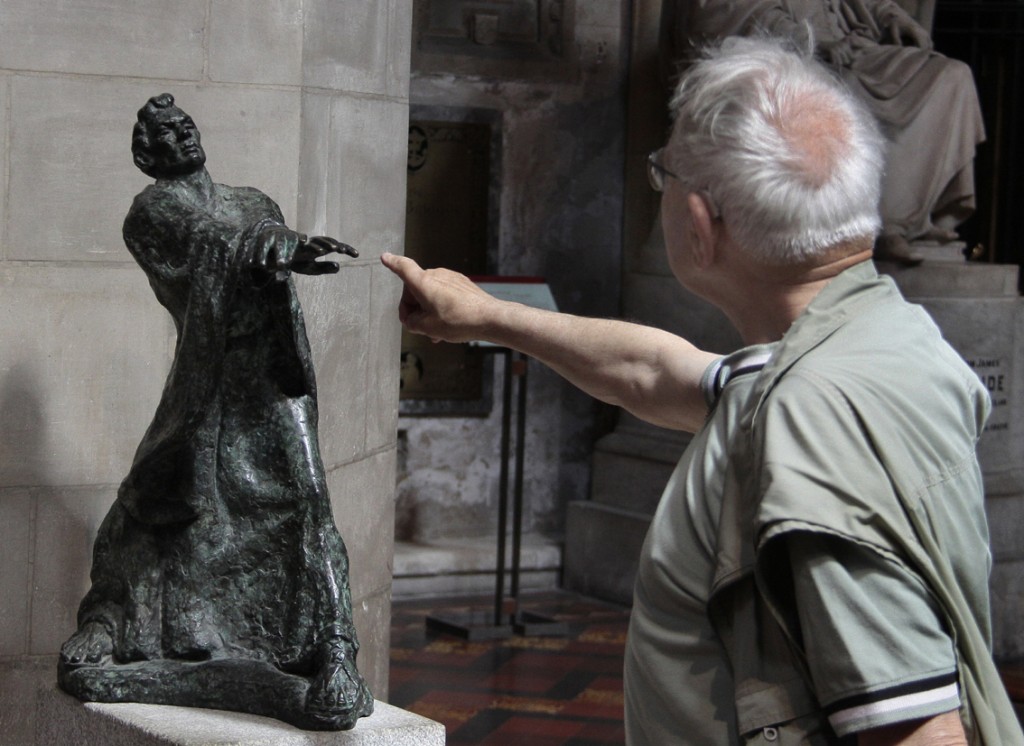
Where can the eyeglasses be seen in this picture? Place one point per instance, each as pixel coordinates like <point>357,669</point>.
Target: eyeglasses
<point>656,173</point>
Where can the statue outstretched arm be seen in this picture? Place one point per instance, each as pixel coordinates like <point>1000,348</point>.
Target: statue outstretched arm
<point>279,250</point>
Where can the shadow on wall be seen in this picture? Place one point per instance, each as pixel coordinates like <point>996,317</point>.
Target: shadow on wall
<point>22,466</point>
<point>22,430</point>
<point>52,526</point>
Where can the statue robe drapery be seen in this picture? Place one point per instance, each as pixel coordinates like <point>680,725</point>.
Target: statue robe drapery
<point>221,542</point>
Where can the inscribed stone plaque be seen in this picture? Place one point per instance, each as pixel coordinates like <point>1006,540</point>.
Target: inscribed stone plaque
<point>982,331</point>
<point>507,21</point>
<point>497,38</point>
<point>446,226</point>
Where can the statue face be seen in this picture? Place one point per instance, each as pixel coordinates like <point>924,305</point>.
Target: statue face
<point>174,144</point>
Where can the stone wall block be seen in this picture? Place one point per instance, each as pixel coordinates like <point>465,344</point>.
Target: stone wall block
<point>1006,527</point>
<point>449,485</point>
<point>71,174</point>
<point>85,354</point>
<point>19,682</point>
<point>599,13</point>
<point>353,171</point>
<point>335,311</point>
<point>400,47</point>
<point>5,84</point>
<point>154,38</point>
<point>314,217</point>
<point>347,45</point>
<point>373,627</point>
<point>66,526</point>
<point>69,193</point>
<point>258,41</point>
<point>363,501</point>
<point>592,566</point>
<point>366,181</point>
<point>16,514</point>
<point>629,481</point>
<point>1007,584</point>
<point>599,46</point>
<point>384,358</point>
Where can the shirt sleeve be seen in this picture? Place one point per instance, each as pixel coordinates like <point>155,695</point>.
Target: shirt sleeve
<point>876,649</point>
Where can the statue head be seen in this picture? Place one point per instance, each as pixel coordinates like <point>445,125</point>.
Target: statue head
<point>165,141</point>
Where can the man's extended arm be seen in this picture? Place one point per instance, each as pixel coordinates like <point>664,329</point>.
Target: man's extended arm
<point>651,373</point>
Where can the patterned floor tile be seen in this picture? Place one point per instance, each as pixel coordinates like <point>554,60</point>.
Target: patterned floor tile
<point>537,691</point>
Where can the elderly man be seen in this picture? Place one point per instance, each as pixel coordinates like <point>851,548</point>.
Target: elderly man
<point>221,547</point>
<point>817,567</point>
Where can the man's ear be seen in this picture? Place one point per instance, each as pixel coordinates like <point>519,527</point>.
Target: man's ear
<point>705,233</point>
<point>143,160</point>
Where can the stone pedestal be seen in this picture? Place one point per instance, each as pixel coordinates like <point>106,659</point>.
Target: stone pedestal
<point>602,546</point>
<point>979,311</point>
<point>64,721</point>
<point>981,314</point>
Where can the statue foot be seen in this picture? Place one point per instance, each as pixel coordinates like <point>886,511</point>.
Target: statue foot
<point>89,645</point>
<point>892,247</point>
<point>337,695</point>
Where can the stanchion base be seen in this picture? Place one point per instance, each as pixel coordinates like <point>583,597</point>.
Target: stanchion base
<point>471,626</point>
<point>529,624</point>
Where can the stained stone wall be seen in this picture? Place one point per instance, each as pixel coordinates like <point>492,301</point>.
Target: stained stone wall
<point>305,99</point>
<point>561,125</point>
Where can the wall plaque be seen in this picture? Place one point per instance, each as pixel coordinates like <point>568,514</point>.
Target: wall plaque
<point>446,226</point>
<point>497,38</point>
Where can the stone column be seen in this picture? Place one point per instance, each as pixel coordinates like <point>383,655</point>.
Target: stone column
<point>632,465</point>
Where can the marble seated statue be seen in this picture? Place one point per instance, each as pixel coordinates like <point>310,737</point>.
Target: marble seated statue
<point>926,103</point>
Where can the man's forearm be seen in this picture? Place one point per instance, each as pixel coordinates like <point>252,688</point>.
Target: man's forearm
<point>941,730</point>
<point>651,373</point>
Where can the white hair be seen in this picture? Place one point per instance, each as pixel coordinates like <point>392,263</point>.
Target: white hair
<point>789,156</point>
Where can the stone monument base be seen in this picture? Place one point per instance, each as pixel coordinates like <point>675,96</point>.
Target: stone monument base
<point>980,312</point>
<point>248,686</point>
<point>62,720</point>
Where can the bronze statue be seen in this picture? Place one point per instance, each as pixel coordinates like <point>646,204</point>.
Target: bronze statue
<point>927,103</point>
<point>219,578</point>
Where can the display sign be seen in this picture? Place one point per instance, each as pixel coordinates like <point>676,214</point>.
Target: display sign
<point>530,291</point>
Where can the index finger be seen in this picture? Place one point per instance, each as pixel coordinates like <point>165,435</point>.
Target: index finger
<point>402,266</point>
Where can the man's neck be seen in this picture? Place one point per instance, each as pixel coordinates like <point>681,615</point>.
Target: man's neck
<point>766,300</point>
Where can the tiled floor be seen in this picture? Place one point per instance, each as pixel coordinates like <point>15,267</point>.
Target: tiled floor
<point>539,691</point>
